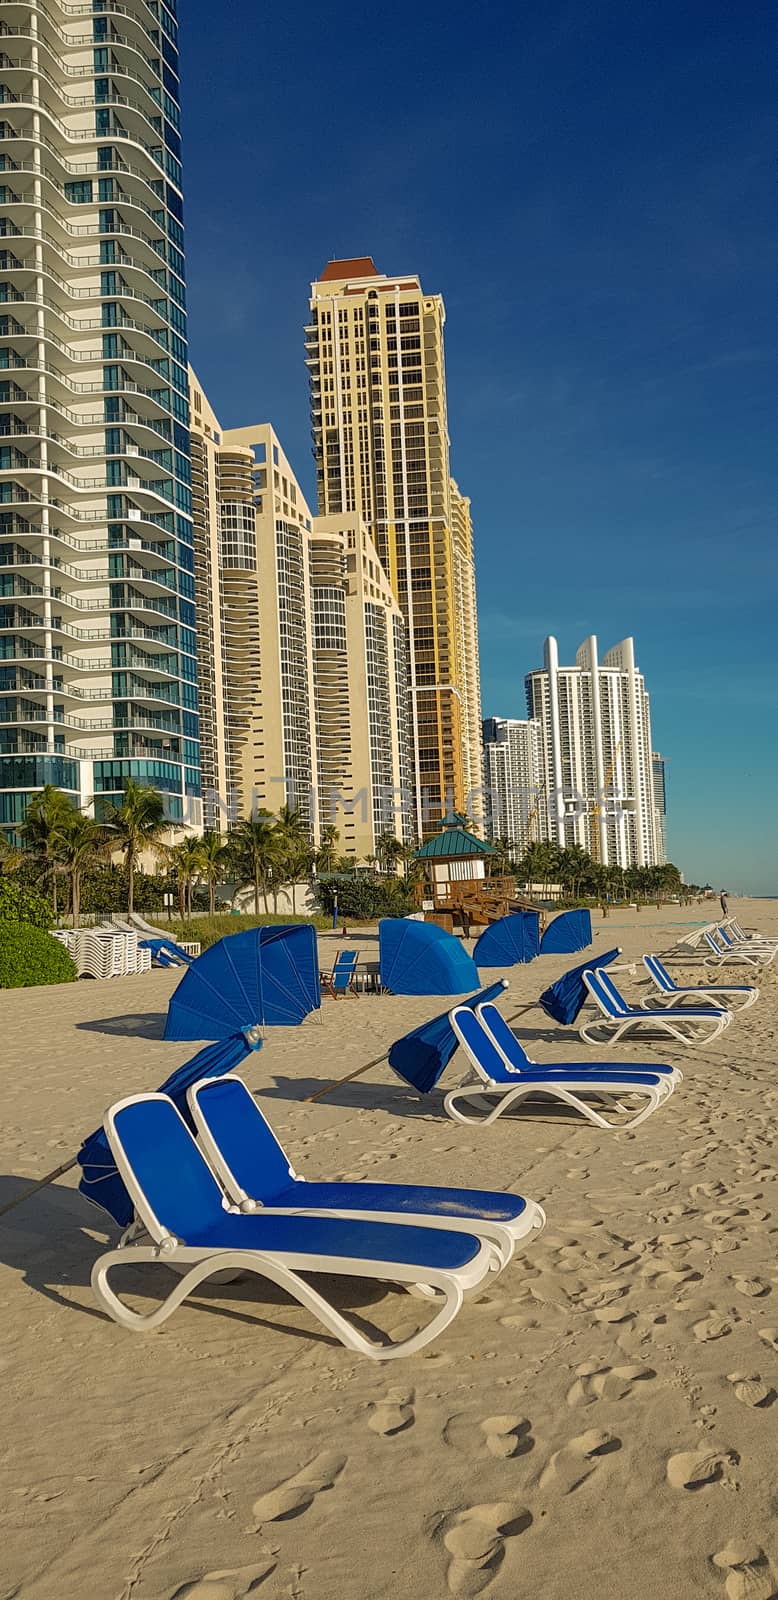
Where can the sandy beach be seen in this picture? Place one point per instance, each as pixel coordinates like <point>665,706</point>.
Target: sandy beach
<point>599,1423</point>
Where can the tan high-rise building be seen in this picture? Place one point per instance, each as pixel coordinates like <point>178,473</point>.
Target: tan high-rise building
<point>378,405</point>
<point>252,582</point>
<point>302,647</point>
<point>360,679</point>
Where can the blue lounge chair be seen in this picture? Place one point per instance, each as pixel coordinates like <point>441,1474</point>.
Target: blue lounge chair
<point>255,1172</point>
<point>671,993</point>
<point>761,947</point>
<point>723,953</point>
<point>749,935</point>
<point>580,1088</point>
<point>183,1210</point>
<point>165,952</point>
<point>515,1056</point>
<point>687,1024</point>
<point>342,978</point>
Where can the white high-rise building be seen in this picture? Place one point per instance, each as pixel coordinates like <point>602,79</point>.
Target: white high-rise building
<point>513,781</point>
<point>596,753</point>
<point>98,671</point>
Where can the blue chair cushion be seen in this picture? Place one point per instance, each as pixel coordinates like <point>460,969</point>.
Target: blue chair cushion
<point>411,1199</point>
<point>336,1236</point>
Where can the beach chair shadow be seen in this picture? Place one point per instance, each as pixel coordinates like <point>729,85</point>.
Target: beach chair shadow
<point>46,1240</point>
<point>396,1102</point>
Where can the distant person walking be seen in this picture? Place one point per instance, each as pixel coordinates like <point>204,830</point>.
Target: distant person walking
<point>724,905</point>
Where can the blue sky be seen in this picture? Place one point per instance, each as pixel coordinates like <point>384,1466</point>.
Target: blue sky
<point>590,187</point>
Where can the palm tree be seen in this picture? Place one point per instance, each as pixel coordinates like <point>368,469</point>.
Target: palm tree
<point>540,862</point>
<point>10,859</point>
<point>43,831</point>
<point>187,860</point>
<point>83,843</point>
<point>573,863</point>
<point>389,852</point>
<point>214,854</point>
<point>500,862</point>
<point>327,855</point>
<point>138,824</point>
<point>254,852</point>
<point>296,856</point>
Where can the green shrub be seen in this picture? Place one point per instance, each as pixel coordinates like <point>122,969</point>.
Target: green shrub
<point>366,896</point>
<point>104,890</point>
<point>209,929</point>
<point>22,902</point>
<point>30,956</point>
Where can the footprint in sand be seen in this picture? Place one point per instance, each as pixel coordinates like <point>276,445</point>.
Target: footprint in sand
<point>392,1415</point>
<point>711,1327</point>
<point>234,1584</point>
<point>569,1467</point>
<point>593,1382</point>
<point>753,1288</point>
<point>475,1541</point>
<point>694,1469</point>
<point>749,1576</point>
<point>504,1436</point>
<point>295,1494</point>
<point>750,1390</point>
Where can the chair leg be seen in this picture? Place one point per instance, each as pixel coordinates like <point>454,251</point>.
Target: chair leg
<point>445,1285</point>
<point>654,1098</point>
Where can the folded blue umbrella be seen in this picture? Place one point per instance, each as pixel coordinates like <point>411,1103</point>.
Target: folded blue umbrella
<point>101,1181</point>
<point>564,999</point>
<point>421,1057</point>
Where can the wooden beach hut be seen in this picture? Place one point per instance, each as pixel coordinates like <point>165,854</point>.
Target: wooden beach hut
<point>455,888</point>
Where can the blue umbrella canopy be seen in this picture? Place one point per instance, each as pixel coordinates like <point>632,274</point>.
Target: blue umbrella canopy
<point>421,958</point>
<point>420,1057</point>
<point>265,977</point>
<point>509,941</point>
<point>564,999</point>
<point>570,931</point>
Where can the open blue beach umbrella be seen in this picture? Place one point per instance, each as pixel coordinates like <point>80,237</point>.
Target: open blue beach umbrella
<point>267,976</point>
<point>564,999</point>
<point>264,977</point>
<point>509,941</point>
<point>420,1057</point>
<point>421,958</point>
<point>571,930</point>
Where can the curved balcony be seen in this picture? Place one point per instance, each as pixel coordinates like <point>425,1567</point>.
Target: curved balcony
<point>25,263</point>
<point>76,42</point>
<point>28,106</point>
<point>107,9</point>
<point>23,74</point>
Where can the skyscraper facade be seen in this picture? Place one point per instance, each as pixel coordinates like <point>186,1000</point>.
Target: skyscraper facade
<point>596,753</point>
<point>380,430</point>
<point>659,776</point>
<point>516,807</point>
<point>360,682</point>
<point>252,554</point>
<point>302,648</point>
<point>98,677</point>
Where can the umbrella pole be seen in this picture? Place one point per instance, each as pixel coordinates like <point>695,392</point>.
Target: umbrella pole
<point>336,1083</point>
<point>523,1012</point>
<point>41,1184</point>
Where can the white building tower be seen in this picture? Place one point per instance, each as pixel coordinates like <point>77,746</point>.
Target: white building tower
<point>98,679</point>
<point>596,753</point>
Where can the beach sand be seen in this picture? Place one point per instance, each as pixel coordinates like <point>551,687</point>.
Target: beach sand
<point>600,1422</point>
